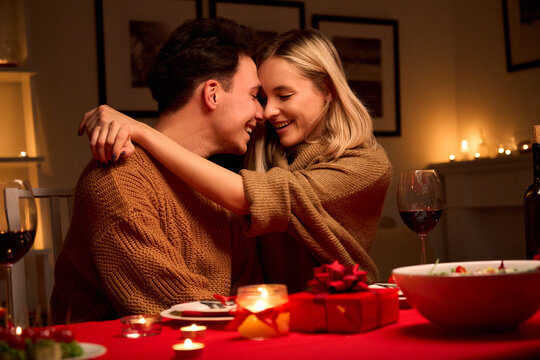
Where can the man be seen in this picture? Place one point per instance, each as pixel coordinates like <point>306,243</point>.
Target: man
<point>140,239</point>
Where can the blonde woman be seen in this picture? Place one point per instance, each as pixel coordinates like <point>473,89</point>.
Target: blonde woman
<point>318,180</point>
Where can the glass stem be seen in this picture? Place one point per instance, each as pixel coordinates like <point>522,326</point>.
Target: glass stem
<point>423,244</point>
<point>8,317</point>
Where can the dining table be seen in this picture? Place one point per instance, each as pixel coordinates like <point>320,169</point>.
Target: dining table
<point>411,337</point>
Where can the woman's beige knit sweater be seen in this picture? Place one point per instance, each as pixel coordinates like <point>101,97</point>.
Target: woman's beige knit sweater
<point>308,211</point>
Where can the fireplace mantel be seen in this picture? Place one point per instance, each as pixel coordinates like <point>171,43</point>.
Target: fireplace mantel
<point>483,214</point>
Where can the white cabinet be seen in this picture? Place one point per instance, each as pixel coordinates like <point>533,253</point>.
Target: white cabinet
<point>483,217</point>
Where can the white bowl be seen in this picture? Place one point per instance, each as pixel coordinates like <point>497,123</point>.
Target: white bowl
<point>495,301</point>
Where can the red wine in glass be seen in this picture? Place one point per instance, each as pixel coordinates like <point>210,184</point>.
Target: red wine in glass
<point>421,221</point>
<point>15,244</point>
<point>419,200</point>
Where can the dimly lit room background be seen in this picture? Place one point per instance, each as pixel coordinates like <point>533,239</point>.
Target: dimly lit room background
<point>454,85</point>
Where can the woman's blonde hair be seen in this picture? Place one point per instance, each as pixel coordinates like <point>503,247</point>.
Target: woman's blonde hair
<point>347,123</point>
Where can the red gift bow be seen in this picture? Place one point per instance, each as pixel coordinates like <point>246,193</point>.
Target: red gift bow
<point>333,278</point>
<point>268,316</point>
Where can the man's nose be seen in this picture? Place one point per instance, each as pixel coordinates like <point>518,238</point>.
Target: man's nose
<point>259,113</point>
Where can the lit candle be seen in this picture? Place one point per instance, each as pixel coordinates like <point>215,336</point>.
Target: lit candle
<point>193,331</point>
<point>452,157</point>
<point>136,326</point>
<point>188,349</point>
<point>500,150</point>
<point>18,331</point>
<point>23,154</point>
<point>524,146</point>
<point>258,298</point>
<point>465,152</point>
<point>508,152</point>
<point>477,155</point>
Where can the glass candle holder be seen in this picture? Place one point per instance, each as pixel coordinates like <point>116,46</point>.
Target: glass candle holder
<point>136,326</point>
<point>264,310</point>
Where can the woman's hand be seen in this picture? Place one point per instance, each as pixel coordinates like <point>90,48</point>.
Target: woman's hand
<point>109,132</point>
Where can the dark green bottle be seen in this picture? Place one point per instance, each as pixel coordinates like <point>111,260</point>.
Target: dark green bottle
<point>532,203</point>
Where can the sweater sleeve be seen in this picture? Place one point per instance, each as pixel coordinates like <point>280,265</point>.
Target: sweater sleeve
<point>281,194</point>
<point>140,270</point>
<point>332,207</point>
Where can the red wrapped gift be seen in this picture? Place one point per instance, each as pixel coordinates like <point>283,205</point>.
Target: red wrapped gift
<point>342,302</point>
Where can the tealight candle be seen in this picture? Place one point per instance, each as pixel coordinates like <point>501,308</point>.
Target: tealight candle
<point>258,303</point>
<point>465,151</point>
<point>193,331</point>
<point>188,349</point>
<point>136,326</point>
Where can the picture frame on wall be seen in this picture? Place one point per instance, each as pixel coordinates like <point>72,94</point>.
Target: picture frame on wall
<point>129,34</point>
<point>267,17</point>
<point>369,51</point>
<point>521,34</point>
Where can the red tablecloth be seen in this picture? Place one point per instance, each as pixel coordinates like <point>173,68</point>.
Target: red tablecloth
<point>412,337</point>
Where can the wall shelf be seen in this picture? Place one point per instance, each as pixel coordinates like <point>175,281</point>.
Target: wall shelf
<point>22,159</point>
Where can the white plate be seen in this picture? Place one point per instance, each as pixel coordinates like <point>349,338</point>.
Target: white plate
<point>387,286</point>
<point>91,351</point>
<point>197,306</point>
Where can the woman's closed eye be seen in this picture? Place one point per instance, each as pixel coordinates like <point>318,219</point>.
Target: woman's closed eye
<point>285,97</point>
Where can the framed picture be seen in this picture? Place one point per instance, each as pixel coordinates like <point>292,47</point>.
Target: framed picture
<point>267,17</point>
<point>129,35</point>
<point>521,33</point>
<point>369,52</point>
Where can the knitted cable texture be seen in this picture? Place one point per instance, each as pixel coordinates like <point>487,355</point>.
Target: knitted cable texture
<point>141,241</point>
<point>309,211</point>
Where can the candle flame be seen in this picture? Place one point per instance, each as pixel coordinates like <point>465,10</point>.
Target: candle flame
<point>142,321</point>
<point>18,331</point>
<point>188,343</point>
<point>464,144</point>
<point>477,155</point>
<point>194,327</point>
<point>23,153</point>
<point>508,152</point>
<point>260,305</point>
<point>525,146</point>
<point>452,157</point>
<point>263,291</point>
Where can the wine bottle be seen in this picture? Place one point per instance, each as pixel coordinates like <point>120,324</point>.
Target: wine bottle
<point>532,203</point>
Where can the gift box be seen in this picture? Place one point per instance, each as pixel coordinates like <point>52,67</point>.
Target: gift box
<point>342,302</point>
<point>343,312</point>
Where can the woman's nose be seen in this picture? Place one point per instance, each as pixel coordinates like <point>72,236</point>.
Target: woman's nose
<point>270,110</point>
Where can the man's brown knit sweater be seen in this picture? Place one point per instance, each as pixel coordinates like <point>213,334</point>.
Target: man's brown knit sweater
<point>309,211</point>
<point>140,241</point>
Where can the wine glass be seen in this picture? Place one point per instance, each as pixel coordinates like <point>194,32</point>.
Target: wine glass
<point>419,199</point>
<point>17,233</point>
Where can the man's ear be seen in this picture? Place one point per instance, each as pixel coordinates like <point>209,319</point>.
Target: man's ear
<point>211,93</point>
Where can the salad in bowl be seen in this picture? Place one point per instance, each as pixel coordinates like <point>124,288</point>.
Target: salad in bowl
<point>476,295</point>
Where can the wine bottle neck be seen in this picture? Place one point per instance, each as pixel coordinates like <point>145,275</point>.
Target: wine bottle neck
<point>536,162</point>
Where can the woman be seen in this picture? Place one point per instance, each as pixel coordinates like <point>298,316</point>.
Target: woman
<point>319,181</point>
